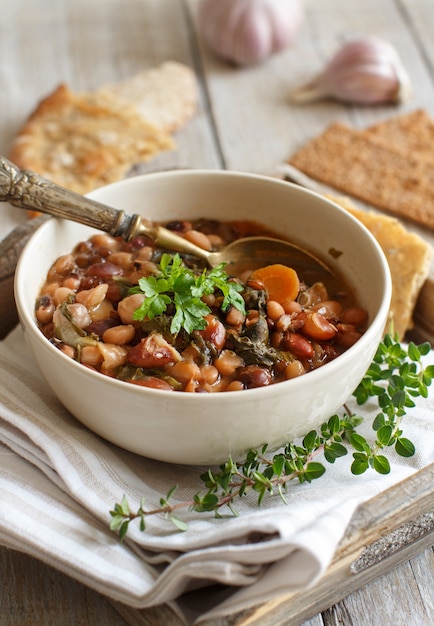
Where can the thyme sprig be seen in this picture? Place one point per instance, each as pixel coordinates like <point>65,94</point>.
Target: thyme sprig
<point>396,376</point>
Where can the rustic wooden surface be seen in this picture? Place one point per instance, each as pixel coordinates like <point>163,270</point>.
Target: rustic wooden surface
<point>245,122</point>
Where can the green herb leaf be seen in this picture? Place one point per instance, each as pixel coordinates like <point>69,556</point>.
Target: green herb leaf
<point>181,287</point>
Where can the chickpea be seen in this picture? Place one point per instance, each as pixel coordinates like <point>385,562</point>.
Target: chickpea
<point>119,335</point>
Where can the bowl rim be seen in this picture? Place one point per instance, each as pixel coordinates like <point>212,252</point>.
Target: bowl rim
<point>218,397</point>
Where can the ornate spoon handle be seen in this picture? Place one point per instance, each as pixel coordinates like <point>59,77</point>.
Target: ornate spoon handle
<point>27,190</point>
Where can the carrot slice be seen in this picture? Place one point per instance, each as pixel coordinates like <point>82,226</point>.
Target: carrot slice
<point>281,282</point>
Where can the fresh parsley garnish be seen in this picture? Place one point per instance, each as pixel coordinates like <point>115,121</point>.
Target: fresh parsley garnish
<point>183,288</point>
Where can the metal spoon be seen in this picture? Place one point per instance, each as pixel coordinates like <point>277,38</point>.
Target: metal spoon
<point>28,190</point>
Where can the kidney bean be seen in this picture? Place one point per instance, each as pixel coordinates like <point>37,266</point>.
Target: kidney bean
<point>298,345</point>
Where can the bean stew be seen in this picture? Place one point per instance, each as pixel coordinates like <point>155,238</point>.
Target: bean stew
<point>256,329</point>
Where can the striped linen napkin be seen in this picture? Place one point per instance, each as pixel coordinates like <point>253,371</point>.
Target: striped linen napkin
<point>58,482</point>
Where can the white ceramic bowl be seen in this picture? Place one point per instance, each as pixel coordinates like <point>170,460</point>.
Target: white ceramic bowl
<point>206,428</point>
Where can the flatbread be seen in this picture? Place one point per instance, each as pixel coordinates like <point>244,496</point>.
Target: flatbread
<point>84,141</point>
<point>166,95</point>
<point>409,257</point>
<point>366,166</point>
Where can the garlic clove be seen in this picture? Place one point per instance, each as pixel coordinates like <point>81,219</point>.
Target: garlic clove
<point>363,71</point>
<point>246,32</point>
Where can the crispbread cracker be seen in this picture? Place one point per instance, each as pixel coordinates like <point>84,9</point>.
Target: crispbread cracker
<point>367,168</point>
<point>166,95</point>
<point>83,141</point>
<point>411,133</point>
<point>409,258</point>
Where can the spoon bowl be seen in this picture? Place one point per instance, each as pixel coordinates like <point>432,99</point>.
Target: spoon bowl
<point>28,190</point>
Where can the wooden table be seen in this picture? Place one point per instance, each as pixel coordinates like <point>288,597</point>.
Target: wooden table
<point>245,122</point>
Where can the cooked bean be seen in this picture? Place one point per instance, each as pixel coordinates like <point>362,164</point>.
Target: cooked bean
<point>214,332</point>
<point>331,309</point>
<point>91,298</point>
<point>198,238</point>
<point>62,294</point>
<point>347,335</point>
<point>106,270</point>
<point>45,309</point>
<point>64,264</point>
<point>228,362</point>
<point>91,355</point>
<point>235,317</point>
<point>316,326</point>
<point>294,369</point>
<point>209,374</point>
<point>354,315</point>
<point>254,376</point>
<point>183,371</point>
<point>152,382</point>
<point>119,335</point>
<point>235,385</point>
<point>128,305</point>
<point>112,356</point>
<point>274,310</point>
<point>124,260</point>
<point>102,240</point>
<point>297,344</point>
<point>101,311</point>
<point>80,315</point>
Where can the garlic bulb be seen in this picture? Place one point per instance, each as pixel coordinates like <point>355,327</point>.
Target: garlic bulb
<point>363,71</point>
<point>246,32</point>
